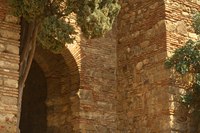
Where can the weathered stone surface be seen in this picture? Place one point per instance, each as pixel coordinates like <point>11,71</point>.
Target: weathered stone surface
<point>12,49</point>
<point>9,34</point>
<point>86,95</point>
<point>138,88</point>
<point>170,26</point>
<point>12,19</point>
<point>2,48</point>
<point>9,100</point>
<point>10,83</point>
<point>181,28</point>
<point>182,17</point>
<point>139,65</point>
<point>9,66</point>
<point>123,85</point>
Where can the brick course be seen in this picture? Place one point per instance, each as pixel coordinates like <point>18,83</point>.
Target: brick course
<point>115,84</point>
<point>9,66</point>
<point>141,77</point>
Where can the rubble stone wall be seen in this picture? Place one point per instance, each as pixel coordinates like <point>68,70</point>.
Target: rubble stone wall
<point>148,32</point>
<point>98,85</point>
<point>60,90</point>
<point>117,83</point>
<point>179,29</point>
<point>96,60</point>
<point>142,81</point>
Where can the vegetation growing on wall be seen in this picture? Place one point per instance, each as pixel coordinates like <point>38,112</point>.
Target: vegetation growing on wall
<point>186,62</point>
<point>95,17</point>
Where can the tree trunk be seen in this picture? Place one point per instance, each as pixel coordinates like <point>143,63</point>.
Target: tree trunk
<point>28,44</point>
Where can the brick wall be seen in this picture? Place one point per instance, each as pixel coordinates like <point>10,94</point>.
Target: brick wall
<point>9,66</point>
<point>148,32</point>
<point>179,29</point>
<point>118,83</point>
<point>98,85</point>
<point>141,77</point>
<point>96,60</point>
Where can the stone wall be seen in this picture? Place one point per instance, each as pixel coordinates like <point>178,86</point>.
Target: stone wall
<point>98,85</point>
<point>141,77</point>
<point>96,60</point>
<point>61,100</point>
<point>179,29</point>
<point>113,84</point>
<point>9,66</point>
<point>148,32</point>
<point>92,85</point>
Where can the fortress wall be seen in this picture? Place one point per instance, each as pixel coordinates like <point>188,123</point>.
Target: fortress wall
<point>124,86</point>
<point>142,79</point>
<point>97,91</point>
<point>148,31</point>
<point>179,29</point>
<point>9,66</point>
<point>96,61</point>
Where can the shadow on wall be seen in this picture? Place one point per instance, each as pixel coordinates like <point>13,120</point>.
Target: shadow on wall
<point>182,119</point>
<point>34,110</point>
<point>52,99</point>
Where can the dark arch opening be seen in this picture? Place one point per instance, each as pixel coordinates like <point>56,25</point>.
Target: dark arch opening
<point>59,94</point>
<point>34,110</point>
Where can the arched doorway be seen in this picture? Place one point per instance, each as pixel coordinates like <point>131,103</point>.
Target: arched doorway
<point>34,110</point>
<point>51,85</point>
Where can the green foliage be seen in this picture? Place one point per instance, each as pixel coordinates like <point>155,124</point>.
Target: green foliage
<point>196,23</point>
<point>187,98</point>
<point>186,61</point>
<point>29,9</point>
<point>55,34</point>
<point>95,17</point>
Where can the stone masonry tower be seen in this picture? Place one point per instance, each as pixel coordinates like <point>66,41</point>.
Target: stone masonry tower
<point>148,31</point>
<point>115,84</point>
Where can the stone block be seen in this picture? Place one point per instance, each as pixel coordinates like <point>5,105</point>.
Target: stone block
<point>105,106</point>
<point>12,19</point>
<point>2,48</point>
<point>9,100</point>
<point>9,34</point>
<point>139,66</point>
<point>10,82</point>
<point>192,35</point>
<point>12,49</point>
<point>170,26</point>
<point>9,65</point>
<point>1,81</point>
<point>85,95</point>
<point>181,28</point>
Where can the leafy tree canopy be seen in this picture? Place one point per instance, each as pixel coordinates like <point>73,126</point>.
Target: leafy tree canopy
<point>95,17</point>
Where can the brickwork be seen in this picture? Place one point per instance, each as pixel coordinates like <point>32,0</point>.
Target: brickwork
<point>117,83</point>
<point>148,32</point>
<point>9,66</point>
<point>62,100</point>
<point>142,79</point>
<point>98,85</point>
<point>96,60</point>
<point>179,29</point>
